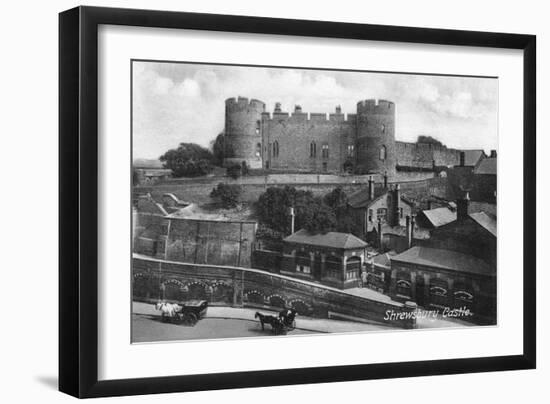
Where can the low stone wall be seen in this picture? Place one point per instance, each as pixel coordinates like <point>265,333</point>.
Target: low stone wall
<point>155,279</point>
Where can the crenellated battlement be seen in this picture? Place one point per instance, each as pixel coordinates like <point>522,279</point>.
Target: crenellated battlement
<point>375,106</point>
<point>236,103</point>
<point>298,116</point>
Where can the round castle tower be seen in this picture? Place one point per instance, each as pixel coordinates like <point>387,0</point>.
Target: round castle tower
<point>376,137</point>
<point>243,139</point>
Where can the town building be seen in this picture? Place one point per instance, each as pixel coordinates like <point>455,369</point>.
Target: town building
<point>334,259</point>
<point>374,207</point>
<point>471,233</point>
<point>443,279</point>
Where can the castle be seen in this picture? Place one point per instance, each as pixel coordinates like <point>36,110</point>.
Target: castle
<point>361,143</point>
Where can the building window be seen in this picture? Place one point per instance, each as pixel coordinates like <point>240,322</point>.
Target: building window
<point>381,214</point>
<point>401,213</point>
<point>257,127</point>
<point>351,150</point>
<point>438,295</point>
<point>312,149</point>
<point>383,153</point>
<point>276,149</point>
<point>403,288</point>
<point>324,151</point>
<point>325,167</point>
<point>305,269</point>
<point>353,268</point>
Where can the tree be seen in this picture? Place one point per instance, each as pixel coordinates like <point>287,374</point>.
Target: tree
<point>273,210</point>
<point>217,146</point>
<point>188,160</point>
<point>337,201</point>
<point>428,140</point>
<point>235,171</point>
<point>228,195</point>
<point>337,198</point>
<point>319,218</point>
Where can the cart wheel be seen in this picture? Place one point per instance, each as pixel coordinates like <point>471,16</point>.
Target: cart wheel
<point>193,319</point>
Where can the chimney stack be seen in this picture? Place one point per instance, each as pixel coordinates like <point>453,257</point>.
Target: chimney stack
<point>298,109</point>
<point>380,234</point>
<point>408,224</point>
<point>493,154</point>
<point>462,158</point>
<point>394,208</point>
<point>291,211</point>
<point>277,107</point>
<point>462,207</point>
<point>412,228</point>
<point>338,109</point>
<point>371,188</point>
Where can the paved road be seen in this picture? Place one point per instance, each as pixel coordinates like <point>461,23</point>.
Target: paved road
<point>232,322</point>
<point>227,322</point>
<point>148,328</point>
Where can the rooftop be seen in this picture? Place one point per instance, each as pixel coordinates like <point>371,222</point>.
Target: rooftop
<point>487,166</point>
<point>439,216</point>
<point>486,221</point>
<point>472,157</point>
<point>331,239</point>
<point>445,259</point>
<point>360,199</point>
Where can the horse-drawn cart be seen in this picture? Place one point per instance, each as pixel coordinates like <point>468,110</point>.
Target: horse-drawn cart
<point>281,324</point>
<point>188,312</point>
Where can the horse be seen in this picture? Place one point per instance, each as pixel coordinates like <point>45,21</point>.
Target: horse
<point>275,323</point>
<point>170,310</point>
<point>288,317</point>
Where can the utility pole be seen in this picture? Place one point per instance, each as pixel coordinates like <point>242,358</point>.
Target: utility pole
<point>291,220</point>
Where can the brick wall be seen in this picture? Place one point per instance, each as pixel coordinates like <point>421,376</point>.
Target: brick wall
<point>248,287</point>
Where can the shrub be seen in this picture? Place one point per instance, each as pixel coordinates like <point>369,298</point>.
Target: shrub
<point>227,195</point>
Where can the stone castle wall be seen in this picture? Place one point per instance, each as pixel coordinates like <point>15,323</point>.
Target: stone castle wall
<point>425,156</point>
<point>376,137</point>
<point>242,140</point>
<point>288,139</point>
<point>363,143</point>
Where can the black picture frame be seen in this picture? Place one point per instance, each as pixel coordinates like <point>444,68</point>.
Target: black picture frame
<point>78,196</point>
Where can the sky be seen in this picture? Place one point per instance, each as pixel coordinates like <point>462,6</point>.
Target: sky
<point>181,102</point>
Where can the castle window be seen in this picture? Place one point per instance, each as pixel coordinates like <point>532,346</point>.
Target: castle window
<point>258,150</point>
<point>276,149</point>
<point>324,151</point>
<point>383,153</point>
<point>313,149</point>
<point>351,149</point>
<point>257,127</point>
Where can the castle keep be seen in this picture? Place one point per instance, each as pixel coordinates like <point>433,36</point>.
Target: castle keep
<point>362,142</point>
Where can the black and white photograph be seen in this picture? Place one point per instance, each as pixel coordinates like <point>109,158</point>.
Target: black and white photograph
<point>278,201</point>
